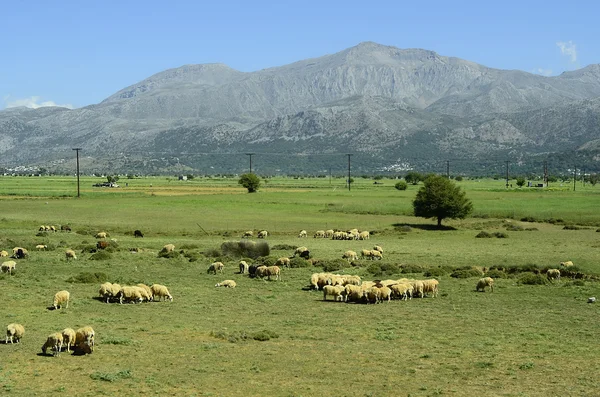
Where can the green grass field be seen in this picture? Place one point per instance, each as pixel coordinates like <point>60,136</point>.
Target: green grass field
<point>521,340</point>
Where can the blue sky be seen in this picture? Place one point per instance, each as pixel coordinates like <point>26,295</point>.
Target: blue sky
<point>77,53</point>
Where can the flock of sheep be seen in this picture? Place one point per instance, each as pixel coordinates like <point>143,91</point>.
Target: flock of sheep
<point>83,340</point>
<point>134,294</point>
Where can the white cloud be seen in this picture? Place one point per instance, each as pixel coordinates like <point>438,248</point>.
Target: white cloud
<point>542,71</point>
<point>568,49</point>
<point>32,102</point>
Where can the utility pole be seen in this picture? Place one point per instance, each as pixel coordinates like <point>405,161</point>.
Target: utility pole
<point>448,169</point>
<point>507,174</point>
<point>349,155</point>
<point>545,173</point>
<point>77,152</point>
<point>574,177</point>
<point>250,154</point>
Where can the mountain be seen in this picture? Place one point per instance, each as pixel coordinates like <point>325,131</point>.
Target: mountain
<point>393,108</point>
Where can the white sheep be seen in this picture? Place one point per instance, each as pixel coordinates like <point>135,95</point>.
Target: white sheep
<point>109,290</point>
<point>69,337</point>
<point>350,279</point>
<point>567,264</point>
<point>337,291</point>
<point>319,234</point>
<point>431,285</point>
<point>553,274</point>
<point>354,293</point>
<point>216,267</point>
<point>101,235</point>
<point>364,235</point>
<point>130,294</point>
<point>302,234</point>
<point>70,254</point>
<point>85,339</point>
<point>14,333</point>
<point>329,233</point>
<point>244,267</point>
<point>161,291</point>
<point>485,282</point>
<point>167,248</point>
<point>284,261</point>
<point>145,291</point>
<point>20,252</point>
<point>226,283</point>
<point>300,250</point>
<point>3,253</point>
<point>350,256</point>
<point>374,254</point>
<point>274,271</point>
<point>41,247</point>
<point>8,267</point>
<point>55,342</point>
<point>402,290</point>
<point>378,248</point>
<point>61,297</point>
<point>248,234</point>
<point>262,234</point>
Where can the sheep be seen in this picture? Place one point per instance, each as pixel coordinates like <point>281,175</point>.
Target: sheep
<point>431,285</point>
<point>363,235</point>
<point>41,247</point>
<point>130,294</point>
<point>284,261</point>
<point>8,266</point>
<point>319,234</point>
<point>101,235</point>
<point>244,267</point>
<point>161,291</point>
<point>338,292</point>
<point>70,254</point>
<point>337,235</point>
<point>85,339</point>
<point>20,253</point>
<point>148,295</point>
<point>350,256</point>
<point>248,234</point>
<point>378,248</point>
<point>138,233</point>
<point>300,250</point>
<point>3,253</point>
<point>61,297</point>
<point>371,295</point>
<point>216,267</point>
<point>553,274</point>
<point>302,234</point>
<point>384,293</point>
<point>566,264</point>
<point>41,228</point>
<point>108,291</point>
<point>226,283</point>
<point>485,282</point>
<point>418,288</point>
<point>14,333</point>
<point>335,279</point>
<point>374,254</point>
<point>274,271</point>
<point>351,280</point>
<point>261,271</point>
<point>69,335</point>
<point>263,234</point>
<point>402,290</point>
<point>168,248</point>
<point>319,280</point>
<point>354,293</point>
<point>53,229</point>
<point>365,253</point>
<point>65,228</point>
<point>328,233</point>
<point>101,245</point>
<point>55,342</point>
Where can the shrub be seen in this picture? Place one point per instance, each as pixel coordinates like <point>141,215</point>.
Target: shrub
<point>191,256</point>
<point>412,268</point>
<point>284,247</point>
<point>554,221</point>
<point>212,253</point>
<point>244,248</point>
<point>264,335</point>
<point>532,279</point>
<point>88,278</point>
<point>168,255</point>
<point>404,229</point>
<point>571,227</point>
<point>528,219</point>
<point>514,228</point>
<point>531,229</point>
<point>266,260</point>
<point>87,248</point>
<point>466,273</point>
<point>189,246</point>
<point>495,273</point>
<point>483,234</point>
<point>332,265</point>
<point>100,256</point>
<point>299,262</point>
<point>437,271</point>
<point>401,185</point>
<point>383,269</point>
<point>500,235</point>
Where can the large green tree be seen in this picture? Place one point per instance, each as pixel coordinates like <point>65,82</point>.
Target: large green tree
<point>250,181</point>
<point>440,198</point>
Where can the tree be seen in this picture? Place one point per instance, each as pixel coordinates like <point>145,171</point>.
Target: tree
<point>440,198</point>
<point>412,177</point>
<point>250,181</point>
<point>520,181</point>
<point>401,185</point>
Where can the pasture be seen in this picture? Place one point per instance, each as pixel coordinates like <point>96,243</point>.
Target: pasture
<point>278,338</point>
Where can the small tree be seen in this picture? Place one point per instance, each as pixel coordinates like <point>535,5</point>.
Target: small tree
<point>250,181</point>
<point>401,185</point>
<point>520,181</point>
<point>412,177</point>
<point>440,198</point>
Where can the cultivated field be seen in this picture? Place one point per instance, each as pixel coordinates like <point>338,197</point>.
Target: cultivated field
<point>520,340</point>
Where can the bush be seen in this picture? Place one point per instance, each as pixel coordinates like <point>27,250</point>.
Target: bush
<point>168,255</point>
<point>571,227</point>
<point>529,219</point>
<point>266,260</point>
<point>500,235</point>
<point>495,273</point>
<point>264,335</point>
<point>554,221</point>
<point>212,253</point>
<point>383,269</point>
<point>244,248</point>
<point>284,247</point>
<point>250,181</point>
<point>437,271</point>
<point>404,228</point>
<point>332,265</point>
<point>299,262</point>
<point>401,185</point>
<point>88,278</point>
<point>412,268</point>
<point>514,228</point>
<point>100,256</point>
<point>532,279</point>
<point>191,256</point>
<point>483,234</point>
<point>466,272</point>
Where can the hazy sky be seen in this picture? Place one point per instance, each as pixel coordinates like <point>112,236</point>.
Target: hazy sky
<point>77,53</point>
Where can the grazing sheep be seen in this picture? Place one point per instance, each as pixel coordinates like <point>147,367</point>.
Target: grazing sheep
<point>274,271</point>
<point>20,253</point>
<point>130,294</point>
<point>109,291</point>
<point>101,235</point>
<point>384,293</point>
<point>41,228</point>
<point>85,339</point>
<point>138,233</point>
<point>262,234</point>
<point>61,297</point>
<point>374,254</point>
<point>431,285</point>
<point>148,295</point>
<point>302,234</point>
<point>315,278</point>
<point>161,291</point>
<point>65,228</point>
<point>168,248</point>
<point>371,295</point>
<point>418,288</point>
<point>53,229</point>
<point>305,255</point>
<point>216,267</point>
<point>485,282</point>
<point>69,335</point>
<point>354,293</point>
<point>566,264</point>
<point>244,267</point>
<point>70,254</point>
<point>261,271</point>
<point>335,279</point>
<point>55,342</point>
<point>14,333</point>
<point>41,247</point>
<point>3,253</point>
<point>365,253</point>
<point>8,267</point>
<point>284,261</point>
<point>248,234</point>
<point>402,290</point>
<point>378,248</point>
<point>351,280</point>
<point>364,235</point>
<point>226,283</point>
<point>338,292</point>
<point>350,256</point>
<point>300,250</point>
<point>319,234</point>
<point>553,274</point>
<point>329,233</point>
